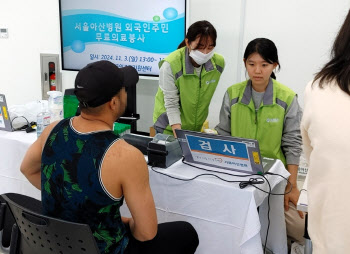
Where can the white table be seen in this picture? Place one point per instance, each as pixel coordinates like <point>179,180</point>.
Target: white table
<point>13,146</point>
<point>225,216</point>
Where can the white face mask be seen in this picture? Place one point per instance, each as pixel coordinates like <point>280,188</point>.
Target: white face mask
<point>199,57</point>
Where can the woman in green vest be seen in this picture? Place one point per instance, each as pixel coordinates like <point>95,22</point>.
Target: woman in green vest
<point>187,81</point>
<point>263,109</point>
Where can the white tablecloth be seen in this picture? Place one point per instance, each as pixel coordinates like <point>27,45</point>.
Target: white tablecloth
<point>13,146</point>
<point>225,216</point>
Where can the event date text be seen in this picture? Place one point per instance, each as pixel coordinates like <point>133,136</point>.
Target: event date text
<point>130,59</point>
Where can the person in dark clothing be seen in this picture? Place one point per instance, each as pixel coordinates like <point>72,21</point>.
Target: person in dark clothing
<point>85,171</point>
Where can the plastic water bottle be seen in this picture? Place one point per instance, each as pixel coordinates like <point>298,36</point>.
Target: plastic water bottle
<point>55,105</point>
<point>42,120</point>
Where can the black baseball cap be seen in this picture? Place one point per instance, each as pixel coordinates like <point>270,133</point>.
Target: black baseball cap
<point>99,81</point>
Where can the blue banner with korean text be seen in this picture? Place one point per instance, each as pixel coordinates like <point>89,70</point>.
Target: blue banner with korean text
<point>116,31</point>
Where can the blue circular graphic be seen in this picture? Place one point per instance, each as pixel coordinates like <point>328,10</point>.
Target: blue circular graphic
<point>170,13</point>
<point>78,46</point>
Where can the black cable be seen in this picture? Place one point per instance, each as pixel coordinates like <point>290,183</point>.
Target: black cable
<point>19,117</point>
<point>268,173</point>
<point>28,128</point>
<point>245,183</point>
<point>252,181</point>
<point>242,184</point>
<point>274,174</point>
<point>268,213</point>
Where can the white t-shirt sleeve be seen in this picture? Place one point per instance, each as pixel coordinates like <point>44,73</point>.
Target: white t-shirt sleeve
<point>171,94</point>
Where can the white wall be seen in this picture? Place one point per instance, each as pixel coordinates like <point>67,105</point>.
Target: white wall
<point>33,29</point>
<point>226,18</point>
<point>302,30</point>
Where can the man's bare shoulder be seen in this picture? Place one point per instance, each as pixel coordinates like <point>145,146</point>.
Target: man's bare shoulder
<point>122,152</point>
<point>122,166</point>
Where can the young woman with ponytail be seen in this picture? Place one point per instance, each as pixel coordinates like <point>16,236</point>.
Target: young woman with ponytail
<point>263,109</point>
<point>187,81</point>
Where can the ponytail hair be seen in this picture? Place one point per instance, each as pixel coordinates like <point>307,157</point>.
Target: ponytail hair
<point>182,44</point>
<point>273,75</point>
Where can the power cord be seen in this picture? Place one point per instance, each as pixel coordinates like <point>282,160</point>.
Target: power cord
<point>28,128</point>
<point>268,212</point>
<point>252,181</point>
<point>276,194</point>
<point>244,183</point>
<point>245,175</point>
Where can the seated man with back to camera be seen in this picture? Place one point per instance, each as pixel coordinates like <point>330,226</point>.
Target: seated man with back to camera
<point>84,171</point>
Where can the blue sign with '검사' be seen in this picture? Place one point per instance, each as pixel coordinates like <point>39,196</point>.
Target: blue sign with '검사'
<point>219,152</point>
<point>218,147</point>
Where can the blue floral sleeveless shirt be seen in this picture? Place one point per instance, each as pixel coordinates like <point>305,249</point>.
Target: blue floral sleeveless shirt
<point>71,185</point>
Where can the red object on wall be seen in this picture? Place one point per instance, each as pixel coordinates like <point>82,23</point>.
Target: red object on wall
<point>53,82</point>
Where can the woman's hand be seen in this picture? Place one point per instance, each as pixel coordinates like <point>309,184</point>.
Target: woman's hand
<point>293,197</point>
<point>174,127</point>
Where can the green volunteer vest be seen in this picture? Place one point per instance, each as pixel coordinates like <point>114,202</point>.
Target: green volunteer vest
<point>266,124</point>
<point>195,92</point>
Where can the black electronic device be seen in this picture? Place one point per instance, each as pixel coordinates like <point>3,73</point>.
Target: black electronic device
<point>163,151</point>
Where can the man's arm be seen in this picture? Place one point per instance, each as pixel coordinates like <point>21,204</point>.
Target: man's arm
<point>137,192</point>
<point>31,163</point>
